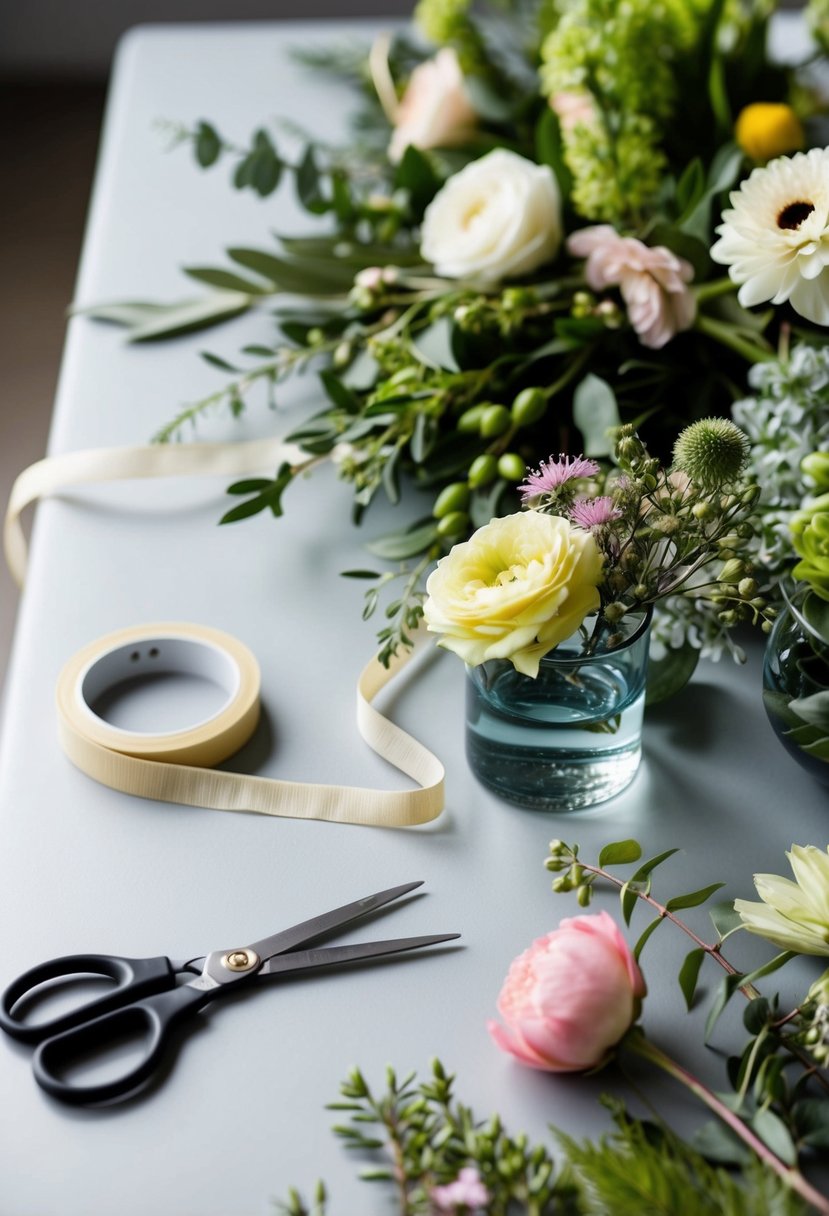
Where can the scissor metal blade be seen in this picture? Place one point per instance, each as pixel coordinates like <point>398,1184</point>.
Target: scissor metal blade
<point>298,935</point>
<point>328,956</point>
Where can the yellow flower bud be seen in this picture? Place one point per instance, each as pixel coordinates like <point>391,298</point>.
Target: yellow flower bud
<point>767,129</point>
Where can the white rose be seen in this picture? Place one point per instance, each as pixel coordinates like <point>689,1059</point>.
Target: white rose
<point>499,217</point>
<point>435,111</point>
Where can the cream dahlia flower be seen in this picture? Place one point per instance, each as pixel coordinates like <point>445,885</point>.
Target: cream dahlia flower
<point>775,237</point>
<point>519,586</point>
<point>793,915</point>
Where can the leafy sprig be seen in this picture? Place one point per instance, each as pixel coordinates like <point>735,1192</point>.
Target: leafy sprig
<point>416,1136</point>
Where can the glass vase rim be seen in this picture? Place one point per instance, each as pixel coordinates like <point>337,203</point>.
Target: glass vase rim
<point>794,594</point>
<point>638,633</point>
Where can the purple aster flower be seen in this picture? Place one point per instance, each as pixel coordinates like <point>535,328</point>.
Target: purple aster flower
<point>551,474</point>
<point>466,1191</point>
<point>594,512</point>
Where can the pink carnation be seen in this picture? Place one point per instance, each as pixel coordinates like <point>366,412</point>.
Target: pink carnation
<point>653,281</point>
<point>466,1191</point>
<point>554,473</point>
<point>594,512</point>
<point>570,998</point>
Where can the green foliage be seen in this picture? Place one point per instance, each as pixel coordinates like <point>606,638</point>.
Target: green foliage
<point>416,1136</point>
<point>643,1167</point>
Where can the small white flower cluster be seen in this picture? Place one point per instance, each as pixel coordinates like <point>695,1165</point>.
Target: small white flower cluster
<point>785,421</point>
<point>681,619</point>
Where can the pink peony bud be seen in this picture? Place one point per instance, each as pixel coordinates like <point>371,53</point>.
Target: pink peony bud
<point>571,997</point>
<point>435,111</point>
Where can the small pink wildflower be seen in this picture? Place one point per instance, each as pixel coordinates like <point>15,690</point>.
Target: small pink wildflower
<point>594,512</point>
<point>554,473</point>
<point>466,1191</point>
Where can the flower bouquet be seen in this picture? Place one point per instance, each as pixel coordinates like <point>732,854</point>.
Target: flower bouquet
<point>523,249</point>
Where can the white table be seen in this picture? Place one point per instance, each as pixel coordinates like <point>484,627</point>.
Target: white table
<point>240,1117</point>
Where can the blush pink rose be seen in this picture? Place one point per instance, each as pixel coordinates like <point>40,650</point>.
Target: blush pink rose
<point>570,998</point>
<point>653,281</point>
<point>435,112</point>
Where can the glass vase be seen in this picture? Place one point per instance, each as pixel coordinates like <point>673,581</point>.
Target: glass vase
<point>796,689</point>
<point>571,737</point>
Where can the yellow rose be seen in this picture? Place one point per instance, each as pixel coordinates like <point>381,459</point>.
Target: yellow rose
<point>514,590</point>
<point>766,129</point>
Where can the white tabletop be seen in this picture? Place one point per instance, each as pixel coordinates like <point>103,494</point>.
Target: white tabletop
<point>240,1116</point>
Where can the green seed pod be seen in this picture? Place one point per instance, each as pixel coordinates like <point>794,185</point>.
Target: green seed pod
<point>511,467</point>
<point>583,897</point>
<point>732,571</point>
<point>702,510</point>
<point>529,406</point>
<point>746,588</point>
<point>482,471</point>
<point>495,420</point>
<point>453,524</point>
<point>451,498</point>
<point>470,421</point>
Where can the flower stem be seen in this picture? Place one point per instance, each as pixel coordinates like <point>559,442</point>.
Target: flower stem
<point>717,287</point>
<point>726,334</point>
<point>789,1174</point>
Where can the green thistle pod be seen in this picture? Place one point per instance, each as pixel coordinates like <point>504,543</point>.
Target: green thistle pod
<point>451,498</point>
<point>511,467</point>
<point>713,452</point>
<point>482,471</point>
<point>528,407</point>
<point>495,421</point>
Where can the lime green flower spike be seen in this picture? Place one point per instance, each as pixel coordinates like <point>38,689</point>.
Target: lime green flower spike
<point>810,536</point>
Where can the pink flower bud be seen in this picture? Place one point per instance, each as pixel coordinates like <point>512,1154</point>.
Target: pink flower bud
<point>570,998</point>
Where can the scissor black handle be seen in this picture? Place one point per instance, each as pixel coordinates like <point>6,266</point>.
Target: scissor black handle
<point>152,1018</point>
<point>134,978</point>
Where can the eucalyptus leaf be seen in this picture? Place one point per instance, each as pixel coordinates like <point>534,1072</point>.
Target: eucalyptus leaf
<point>647,867</point>
<point>813,709</point>
<point>718,1143</point>
<point>214,276</point>
<point>816,615</point>
<point>433,346</point>
<point>694,898</point>
<point>596,414</point>
<point>190,315</point>
<point>724,919</point>
<point>669,674</point>
<point>303,276</point>
<point>208,145</point>
<point>620,853</point>
<point>397,546</point>
<point>689,974</point>
<point>775,1135</point>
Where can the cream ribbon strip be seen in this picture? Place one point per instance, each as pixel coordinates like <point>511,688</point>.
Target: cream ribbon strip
<point>56,473</point>
<point>124,761</point>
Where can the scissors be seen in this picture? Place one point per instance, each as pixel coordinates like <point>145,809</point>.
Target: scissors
<point>147,1000</point>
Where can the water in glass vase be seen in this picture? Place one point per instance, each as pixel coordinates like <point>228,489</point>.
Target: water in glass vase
<point>569,738</point>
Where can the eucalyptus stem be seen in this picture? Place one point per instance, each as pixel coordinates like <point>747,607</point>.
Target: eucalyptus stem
<point>789,1174</point>
<point>748,990</point>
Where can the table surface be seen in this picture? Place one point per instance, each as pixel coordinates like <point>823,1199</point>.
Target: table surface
<point>241,1116</point>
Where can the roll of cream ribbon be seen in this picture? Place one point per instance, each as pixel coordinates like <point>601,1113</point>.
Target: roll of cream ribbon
<point>176,766</point>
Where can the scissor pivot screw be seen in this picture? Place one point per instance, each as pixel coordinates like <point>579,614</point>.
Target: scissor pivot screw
<point>240,960</point>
